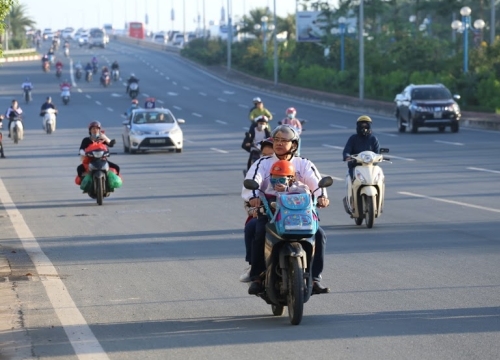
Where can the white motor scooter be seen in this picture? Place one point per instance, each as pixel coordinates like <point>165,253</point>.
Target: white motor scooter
<point>365,193</point>
<point>115,74</point>
<point>65,95</point>
<point>16,130</point>
<point>49,120</point>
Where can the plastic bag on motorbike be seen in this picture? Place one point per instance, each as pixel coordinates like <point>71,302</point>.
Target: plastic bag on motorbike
<point>114,181</point>
<point>86,183</point>
<point>296,217</point>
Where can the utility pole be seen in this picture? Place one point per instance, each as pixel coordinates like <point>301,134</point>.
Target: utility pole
<point>492,22</point>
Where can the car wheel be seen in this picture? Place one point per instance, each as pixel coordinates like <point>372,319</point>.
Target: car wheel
<point>455,126</point>
<point>125,148</point>
<point>411,126</point>
<point>441,129</point>
<point>178,150</point>
<point>401,127</point>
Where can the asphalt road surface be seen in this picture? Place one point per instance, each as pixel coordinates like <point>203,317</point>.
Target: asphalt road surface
<point>153,273</point>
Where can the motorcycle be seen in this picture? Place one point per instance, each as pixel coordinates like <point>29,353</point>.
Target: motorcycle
<point>100,180</point>
<point>289,250</point>
<point>65,95</point>
<point>78,73</point>
<point>46,66</point>
<point>17,130</point>
<point>115,74</point>
<point>49,120</point>
<point>105,80</point>
<point>52,59</point>
<point>365,192</point>
<point>94,68</point>
<point>66,52</point>
<point>133,90</point>
<point>58,72</point>
<point>27,94</point>
<point>88,76</point>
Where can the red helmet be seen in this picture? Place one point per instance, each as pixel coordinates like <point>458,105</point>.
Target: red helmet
<point>291,110</point>
<point>283,168</point>
<point>135,101</point>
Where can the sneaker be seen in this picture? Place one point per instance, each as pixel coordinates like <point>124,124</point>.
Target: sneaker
<point>245,277</point>
<point>255,288</point>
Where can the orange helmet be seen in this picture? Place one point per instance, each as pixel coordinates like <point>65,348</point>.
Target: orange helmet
<point>283,168</point>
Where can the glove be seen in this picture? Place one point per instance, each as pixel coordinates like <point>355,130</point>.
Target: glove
<point>112,143</point>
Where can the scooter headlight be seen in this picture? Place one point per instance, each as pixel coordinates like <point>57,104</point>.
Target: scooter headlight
<point>360,177</point>
<point>367,158</point>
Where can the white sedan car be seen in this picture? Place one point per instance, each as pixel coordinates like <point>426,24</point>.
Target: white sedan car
<point>152,129</point>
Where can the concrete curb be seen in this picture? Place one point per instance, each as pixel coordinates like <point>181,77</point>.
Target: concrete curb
<point>20,58</point>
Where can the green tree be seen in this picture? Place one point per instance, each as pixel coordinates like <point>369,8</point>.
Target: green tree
<point>19,22</point>
<point>5,5</point>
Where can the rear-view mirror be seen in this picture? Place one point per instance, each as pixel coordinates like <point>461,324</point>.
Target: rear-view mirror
<point>250,184</point>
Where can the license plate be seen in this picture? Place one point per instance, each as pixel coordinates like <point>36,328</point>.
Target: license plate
<point>438,114</point>
<point>157,141</point>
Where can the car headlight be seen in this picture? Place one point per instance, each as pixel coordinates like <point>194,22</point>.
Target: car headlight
<point>175,131</point>
<point>136,132</point>
<point>420,108</point>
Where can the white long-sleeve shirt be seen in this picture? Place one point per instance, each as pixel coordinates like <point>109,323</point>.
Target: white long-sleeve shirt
<point>260,171</point>
<point>24,84</point>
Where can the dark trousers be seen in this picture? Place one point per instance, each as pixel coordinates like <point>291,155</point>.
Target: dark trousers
<point>259,263</point>
<point>81,169</point>
<point>1,147</point>
<point>250,228</point>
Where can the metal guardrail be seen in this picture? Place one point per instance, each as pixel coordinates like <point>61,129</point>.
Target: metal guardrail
<point>147,44</point>
<point>19,51</point>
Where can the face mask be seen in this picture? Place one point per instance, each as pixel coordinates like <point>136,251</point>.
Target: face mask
<point>291,116</point>
<point>260,127</point>
<point>95,137</point>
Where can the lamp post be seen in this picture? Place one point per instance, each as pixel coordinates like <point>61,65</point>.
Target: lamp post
<point>264,27</point>
<point>464,27</point>
<point>342,25</point>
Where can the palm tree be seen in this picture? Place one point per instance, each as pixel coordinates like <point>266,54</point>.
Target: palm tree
<point>18,21</point>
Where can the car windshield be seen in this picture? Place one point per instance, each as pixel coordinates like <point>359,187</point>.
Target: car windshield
<point>430,94</point>
<point>153,118</point>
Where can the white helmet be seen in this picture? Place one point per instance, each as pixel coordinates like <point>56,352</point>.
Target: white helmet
<point>257,100</point>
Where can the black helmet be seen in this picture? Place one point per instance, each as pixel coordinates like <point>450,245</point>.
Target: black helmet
<point>363,125</point>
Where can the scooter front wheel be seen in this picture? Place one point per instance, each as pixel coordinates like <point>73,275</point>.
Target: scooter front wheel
<point>369,202</point>
<point>295,297</point>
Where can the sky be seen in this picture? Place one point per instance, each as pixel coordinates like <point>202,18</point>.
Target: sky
<point>58,14</point>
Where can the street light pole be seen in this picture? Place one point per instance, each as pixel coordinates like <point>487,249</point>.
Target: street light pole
<point>342,21</point>
<point>465,12</point>
<point>492,22</point>
<point>361,52</point>
<point>264,30</point>
<point>275,46</point>
<point>229,35</point>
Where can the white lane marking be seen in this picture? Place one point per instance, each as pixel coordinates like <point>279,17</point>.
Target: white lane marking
<point>219,150</point>
<point>333,177</point>
<point>333,147</point>
<point>243,106</point>
<point>116,95</point>
<point>400,158</point>
<point>221,122</point>
<point>145,95</point>
<point>387,134</point>
<point>222,100</point>
<point>160,101</point>
<point>88,96</point>
<point>448,142</point>
<point>79,90</point>
<point>173,82</point>
<point>98,102</point>
<point>188,141</point>
<point>167,78</point>
<point>77,330</point>
<point>203,94</point>
<point>450,202</point>
<point>196,114</point>
<point>172,93</point>
<point>338,126</point>
<point>73,83</point>
<point>228,92</point>
<point>176,107</point>
<point>185,88</point>
<point>161,74</point>
<point>246,128</point>
<point>156,70</point>
<point>485,170</point>
<point>109,109</point>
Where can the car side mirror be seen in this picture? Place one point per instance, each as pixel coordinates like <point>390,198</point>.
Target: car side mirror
<point>456,97</point>
<point>181,121</point>
<point>125,122</point>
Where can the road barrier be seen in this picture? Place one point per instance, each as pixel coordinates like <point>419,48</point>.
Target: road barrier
<point>19,55</point>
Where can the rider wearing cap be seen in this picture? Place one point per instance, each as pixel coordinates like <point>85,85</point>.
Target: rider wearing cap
<point>285,145</point>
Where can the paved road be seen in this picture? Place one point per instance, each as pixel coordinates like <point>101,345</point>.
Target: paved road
<point>153,273</point>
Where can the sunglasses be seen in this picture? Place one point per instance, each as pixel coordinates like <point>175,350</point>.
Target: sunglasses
<point>281,180</point>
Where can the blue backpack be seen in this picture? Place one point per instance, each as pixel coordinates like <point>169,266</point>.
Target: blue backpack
<point>295,216</point>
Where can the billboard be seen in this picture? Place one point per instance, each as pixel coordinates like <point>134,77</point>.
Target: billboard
<point>310,26</point>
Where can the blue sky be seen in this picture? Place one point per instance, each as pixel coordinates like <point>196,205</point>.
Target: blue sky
<point>58,14</point>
